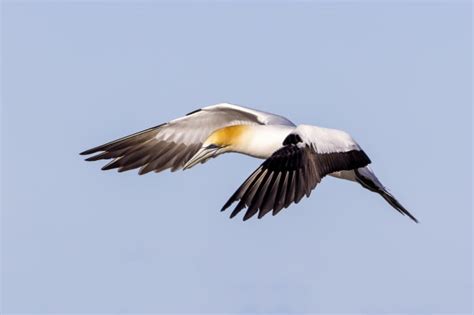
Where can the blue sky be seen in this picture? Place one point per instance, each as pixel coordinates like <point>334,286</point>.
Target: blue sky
<point>396,75</point>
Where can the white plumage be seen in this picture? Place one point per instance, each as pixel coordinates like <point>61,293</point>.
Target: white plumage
<point>296,157</point>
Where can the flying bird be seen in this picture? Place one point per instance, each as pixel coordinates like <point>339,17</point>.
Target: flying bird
<point>296,158</point>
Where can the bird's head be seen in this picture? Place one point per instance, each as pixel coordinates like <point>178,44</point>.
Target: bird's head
<point>220,141</point>
<point>226,137</point>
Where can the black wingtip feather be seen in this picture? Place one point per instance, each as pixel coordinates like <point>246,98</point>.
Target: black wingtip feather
<point>228,204</point>
<point>89,151</point>
<point>237,209</point>
<point>91,159</point>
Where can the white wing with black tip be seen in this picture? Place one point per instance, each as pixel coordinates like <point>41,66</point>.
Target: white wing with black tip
<point>307,155</point>
<point>172,144</point>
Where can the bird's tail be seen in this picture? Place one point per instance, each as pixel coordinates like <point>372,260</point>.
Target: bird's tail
<point>366,177</point>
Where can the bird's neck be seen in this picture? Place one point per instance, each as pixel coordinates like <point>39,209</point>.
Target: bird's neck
<point>255,140</point>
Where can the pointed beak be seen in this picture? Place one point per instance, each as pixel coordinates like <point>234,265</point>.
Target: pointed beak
<point>201,156</point>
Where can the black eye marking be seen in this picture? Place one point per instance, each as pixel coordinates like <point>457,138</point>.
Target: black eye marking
<point>212,146</point>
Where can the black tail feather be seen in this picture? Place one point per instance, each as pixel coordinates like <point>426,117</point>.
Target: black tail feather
<point>394,203</point>
<point>372,186</point>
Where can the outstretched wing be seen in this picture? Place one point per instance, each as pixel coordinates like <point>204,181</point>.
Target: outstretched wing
<point>172,144</point>
<point>295,169</point>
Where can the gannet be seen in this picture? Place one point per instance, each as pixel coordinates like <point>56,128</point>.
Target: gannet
<point>296,157</point>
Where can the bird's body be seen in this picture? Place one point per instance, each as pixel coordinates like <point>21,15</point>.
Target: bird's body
<point>296,157</point>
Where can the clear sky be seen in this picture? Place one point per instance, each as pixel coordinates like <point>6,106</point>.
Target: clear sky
<point>396,75</point>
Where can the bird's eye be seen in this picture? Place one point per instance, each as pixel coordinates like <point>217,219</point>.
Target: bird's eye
<point>212,146</point>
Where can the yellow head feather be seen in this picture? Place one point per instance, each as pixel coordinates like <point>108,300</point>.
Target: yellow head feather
<point>227,136</point>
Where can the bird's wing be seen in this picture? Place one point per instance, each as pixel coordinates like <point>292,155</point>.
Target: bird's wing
<point>308,154</point>
<point>172,144</point>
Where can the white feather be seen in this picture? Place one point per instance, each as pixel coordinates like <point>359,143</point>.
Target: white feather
<point>325,140</point>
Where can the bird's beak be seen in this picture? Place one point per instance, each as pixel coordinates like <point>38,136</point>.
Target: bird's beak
<point>202,156</point>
